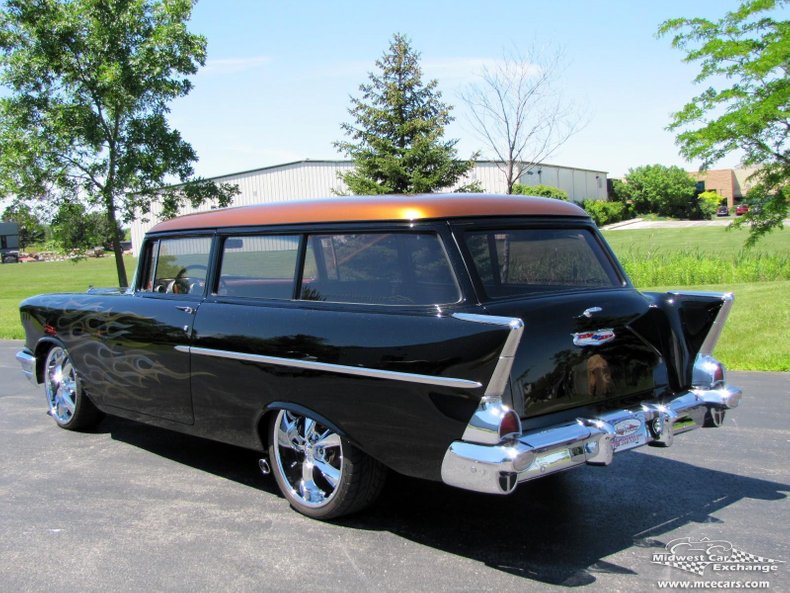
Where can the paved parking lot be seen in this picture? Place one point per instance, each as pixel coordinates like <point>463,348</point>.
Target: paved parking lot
<point>133,508</point>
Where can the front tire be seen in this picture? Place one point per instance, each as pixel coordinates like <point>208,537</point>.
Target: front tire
<point>321,474</point>
<point>68,405</point>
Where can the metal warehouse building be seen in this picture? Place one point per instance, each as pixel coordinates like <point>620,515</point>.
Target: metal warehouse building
<point>302,180</point>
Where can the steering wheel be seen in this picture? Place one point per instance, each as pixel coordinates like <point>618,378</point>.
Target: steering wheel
<point>184,272</point>
<point>181,284</point>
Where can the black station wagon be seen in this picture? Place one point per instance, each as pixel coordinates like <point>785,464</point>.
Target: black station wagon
<point>480,340</point>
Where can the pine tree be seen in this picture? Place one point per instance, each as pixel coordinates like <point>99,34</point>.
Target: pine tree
<point>396,140</point>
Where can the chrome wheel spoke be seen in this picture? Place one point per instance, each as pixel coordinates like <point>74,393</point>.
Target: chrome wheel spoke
<point>327,440</point>
<point>309,430</point>
<point>331,474</point>
<point>66,400</point>
<point>288,434</point>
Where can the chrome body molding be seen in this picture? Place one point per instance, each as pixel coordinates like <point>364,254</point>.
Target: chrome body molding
<point>28,362</point>
<point>498,468</point>
<point>312,365</point>
<point>501,375</point>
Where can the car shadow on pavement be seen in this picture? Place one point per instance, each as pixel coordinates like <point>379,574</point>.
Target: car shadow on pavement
<point>557,530</point>
<point>227,461</point>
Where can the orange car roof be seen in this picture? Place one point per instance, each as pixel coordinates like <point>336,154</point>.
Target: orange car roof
<point>372,208</point>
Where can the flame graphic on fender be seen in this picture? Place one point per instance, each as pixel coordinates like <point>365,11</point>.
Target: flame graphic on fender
<point>107,367</point>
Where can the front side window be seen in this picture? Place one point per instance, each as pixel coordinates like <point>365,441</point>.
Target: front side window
<point>176,266</point>
<point>378,268</point>
<point>259,266</point>
<point>525,261</point>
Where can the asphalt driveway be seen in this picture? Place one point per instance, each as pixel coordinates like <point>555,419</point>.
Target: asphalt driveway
<point>133,508</point>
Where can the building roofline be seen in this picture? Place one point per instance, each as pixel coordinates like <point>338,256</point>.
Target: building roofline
<point>349,162</point>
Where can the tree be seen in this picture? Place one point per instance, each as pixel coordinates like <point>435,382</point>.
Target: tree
<point>666,191</point>
<point>73,227</point>
<point>89,84</point>
<point>518,112</point>
<point>30,228</point>
<point>396,140</point>
<point>744,57</point>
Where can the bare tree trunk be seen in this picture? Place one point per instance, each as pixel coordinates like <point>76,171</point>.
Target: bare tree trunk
<point>509,177</point>
<point>115,231</point>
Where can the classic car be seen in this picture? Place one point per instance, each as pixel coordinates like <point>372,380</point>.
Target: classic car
<point>480,340</point>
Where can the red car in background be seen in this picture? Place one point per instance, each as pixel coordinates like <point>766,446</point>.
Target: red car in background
<point>741,209</point>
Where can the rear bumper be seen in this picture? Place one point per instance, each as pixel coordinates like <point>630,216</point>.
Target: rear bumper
<point>28,362</point>
<point>499,468</point>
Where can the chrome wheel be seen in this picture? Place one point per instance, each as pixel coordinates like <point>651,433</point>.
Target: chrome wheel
<point>60,385</point>
<point>308,459</point>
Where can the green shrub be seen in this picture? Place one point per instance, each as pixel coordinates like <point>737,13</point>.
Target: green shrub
<point>545,191</point>
<point>708,202</point>
<point>656,189</point>
<point>607,212</point>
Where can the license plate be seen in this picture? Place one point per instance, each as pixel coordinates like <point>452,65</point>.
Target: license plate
<point>628,434</point>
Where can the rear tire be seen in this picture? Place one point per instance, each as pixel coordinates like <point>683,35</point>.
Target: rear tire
<point>321,474</point>
<point>69,407</point>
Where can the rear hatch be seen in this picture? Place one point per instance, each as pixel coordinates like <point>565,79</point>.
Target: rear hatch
<point>590,339</point>
<point>579,349</point>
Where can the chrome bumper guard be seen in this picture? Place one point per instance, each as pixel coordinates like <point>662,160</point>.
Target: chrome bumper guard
<point>498,468</point>
<point>28,362</point>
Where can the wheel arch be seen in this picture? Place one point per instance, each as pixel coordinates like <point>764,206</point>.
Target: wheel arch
<point>43,347</point>
<point>270,412</point>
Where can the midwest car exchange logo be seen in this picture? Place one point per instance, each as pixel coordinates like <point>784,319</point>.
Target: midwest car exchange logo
<point>695,556</point>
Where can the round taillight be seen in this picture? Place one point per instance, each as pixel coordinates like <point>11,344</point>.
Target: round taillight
<point>510,424</point>
<point>718,374</point>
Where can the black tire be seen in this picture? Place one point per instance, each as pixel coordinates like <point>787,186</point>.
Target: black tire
<point>321,474</point>
<point>69,407</point>
<point>714,417</point>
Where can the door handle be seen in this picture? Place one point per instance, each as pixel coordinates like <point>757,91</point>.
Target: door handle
<point>185,309</point>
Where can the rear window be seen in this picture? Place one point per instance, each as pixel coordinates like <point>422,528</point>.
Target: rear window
<point>513,262</point>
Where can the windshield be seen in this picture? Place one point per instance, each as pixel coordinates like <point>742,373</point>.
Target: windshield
<point>514,262</point>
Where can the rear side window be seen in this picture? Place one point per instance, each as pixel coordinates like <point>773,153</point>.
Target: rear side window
<point>378,268</point>
<point>259,266</point>
<point>525,261</point>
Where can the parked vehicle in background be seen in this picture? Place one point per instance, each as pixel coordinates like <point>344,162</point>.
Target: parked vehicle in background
<point>741,209</point>
<point>723,210</point>
<point>9,243</point>
<point>474,339</point>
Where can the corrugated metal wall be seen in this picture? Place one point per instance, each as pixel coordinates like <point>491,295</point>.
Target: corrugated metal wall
<point>305,180</point>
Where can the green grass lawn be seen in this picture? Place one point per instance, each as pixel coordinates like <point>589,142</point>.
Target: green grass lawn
<point>757,334</point>
<point>19,281</point>
<point>756,337</point>
<point>714,241</point>
<point>709,255</point>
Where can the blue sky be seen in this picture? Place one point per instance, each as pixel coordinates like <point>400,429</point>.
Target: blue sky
<point>279,74</point>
